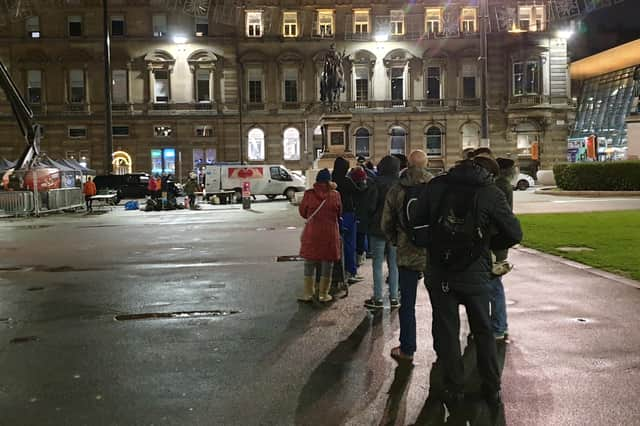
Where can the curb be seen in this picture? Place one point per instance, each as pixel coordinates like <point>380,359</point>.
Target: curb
<point>595,194</point>
<point>577,265</point>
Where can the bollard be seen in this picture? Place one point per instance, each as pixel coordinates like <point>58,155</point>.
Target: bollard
<point>246,195</point>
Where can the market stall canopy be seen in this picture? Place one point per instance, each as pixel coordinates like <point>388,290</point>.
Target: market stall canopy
<point>6,164</point>
<point>55,164</point>
<point>77,166</point>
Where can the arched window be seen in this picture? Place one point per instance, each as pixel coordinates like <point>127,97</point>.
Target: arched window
<point>398,140</point>
<point>256,145</point>
<point>470,136</point>
<point>291,144</point>
<point>362,142</point>
<point>433,138</point>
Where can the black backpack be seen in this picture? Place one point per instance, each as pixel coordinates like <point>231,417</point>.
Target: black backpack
<point>455,239</point>
<point>411,195</point>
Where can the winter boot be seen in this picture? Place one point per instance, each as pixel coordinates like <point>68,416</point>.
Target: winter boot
<point>323,290</point>
<point>307,295</point>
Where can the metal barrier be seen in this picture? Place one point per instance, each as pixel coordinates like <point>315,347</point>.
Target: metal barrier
<point>65,198</point>
<point>17,202</point>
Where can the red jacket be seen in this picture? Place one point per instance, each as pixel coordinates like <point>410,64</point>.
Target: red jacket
<point>89,188</point>
<point>321,236</point>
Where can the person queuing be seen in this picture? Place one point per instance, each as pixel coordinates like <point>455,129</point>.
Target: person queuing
<point>347,189</point>
<point>411,259</point>
<point>89,190</point>
<point>190,188</point>
<point>364,203</point>
<point>320,242</point>
<point>388,169</point>
<point>460,209</point>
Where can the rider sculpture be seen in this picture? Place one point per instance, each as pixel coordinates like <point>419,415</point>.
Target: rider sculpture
<point>332,81</point>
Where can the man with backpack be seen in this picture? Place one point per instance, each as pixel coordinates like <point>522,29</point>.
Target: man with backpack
<point>410,259</point>
<point>460,217</point>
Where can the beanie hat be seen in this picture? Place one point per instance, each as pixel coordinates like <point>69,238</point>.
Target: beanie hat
<point>487,162</point>
<point>323,176</point>
<point>358,175</point>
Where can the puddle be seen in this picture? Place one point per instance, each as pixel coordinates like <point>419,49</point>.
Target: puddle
<point>35,289</point>
<point>265,229</point>
<point>289,259</point>
<point>217,286</point>
<point>24,339</point>
<point>177,315</point>
<point>582,320</point>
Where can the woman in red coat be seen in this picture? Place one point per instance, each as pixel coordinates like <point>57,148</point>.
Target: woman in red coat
<point>321,207</point>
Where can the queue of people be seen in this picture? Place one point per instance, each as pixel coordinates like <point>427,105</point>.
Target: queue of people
<point>453,230</point>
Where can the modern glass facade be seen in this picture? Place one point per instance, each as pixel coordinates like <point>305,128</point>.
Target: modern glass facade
<point>605,103</point>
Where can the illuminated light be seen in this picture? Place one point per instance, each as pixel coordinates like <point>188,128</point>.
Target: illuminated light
<point>381,37</point>
<point>199,34</point>
<point>179,39</point>
<point>564,34</point>
<point>515,29</point>
<point>35,34</point>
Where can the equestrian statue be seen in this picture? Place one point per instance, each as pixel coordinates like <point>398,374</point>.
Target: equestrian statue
<point>332,80</point>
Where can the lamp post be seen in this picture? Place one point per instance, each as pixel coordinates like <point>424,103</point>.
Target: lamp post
<point>484,107</point>
<point>108,118</point>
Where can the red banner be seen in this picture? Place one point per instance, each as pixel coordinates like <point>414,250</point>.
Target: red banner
<point>245,172</point>
<point>592,148</point>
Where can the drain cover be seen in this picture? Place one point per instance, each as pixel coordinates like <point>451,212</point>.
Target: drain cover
<point>289,259</point>
<point>180,315</point>
<point>24,339</point>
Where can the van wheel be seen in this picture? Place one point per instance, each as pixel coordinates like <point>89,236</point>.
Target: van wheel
<point>238,195</point>
<point>522,185</point>
<point>290,193</point>
<point>271,197</point>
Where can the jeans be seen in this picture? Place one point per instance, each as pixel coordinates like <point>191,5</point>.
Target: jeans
<point>361,243</point>
<point>349,242</point>
<point>446,336</point>
<point>498,306</point>
<point>408,281</point>
<point>378,246</point>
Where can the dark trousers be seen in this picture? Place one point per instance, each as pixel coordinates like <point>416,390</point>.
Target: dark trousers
<point>446,336</point>
<point>362,243</point>
<point>89,201</point>
<point>192,200</point>
<point>408,283</point>
<point>349,242</point>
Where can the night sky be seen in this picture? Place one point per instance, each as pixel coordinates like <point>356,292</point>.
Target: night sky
<point>607,28</point>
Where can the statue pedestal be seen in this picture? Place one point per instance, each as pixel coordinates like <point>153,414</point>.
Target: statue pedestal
<point>335,140</point>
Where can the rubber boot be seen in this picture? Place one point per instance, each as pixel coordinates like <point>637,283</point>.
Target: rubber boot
<point>323,290</point>
<point>307,295</point>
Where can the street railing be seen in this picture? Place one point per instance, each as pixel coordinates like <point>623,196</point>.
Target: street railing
<point>17,203</point>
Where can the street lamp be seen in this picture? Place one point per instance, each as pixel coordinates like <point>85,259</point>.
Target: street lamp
<point>108,115</point>
<point>484,108</point>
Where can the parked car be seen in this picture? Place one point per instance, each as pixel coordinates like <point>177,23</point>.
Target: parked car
<point>522,181</point>
<point>131,185</point>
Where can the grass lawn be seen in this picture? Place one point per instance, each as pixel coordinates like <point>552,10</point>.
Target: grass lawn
<point>613,236</point>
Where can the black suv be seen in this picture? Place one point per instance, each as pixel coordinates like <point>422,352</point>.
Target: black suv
<point>133,185</point>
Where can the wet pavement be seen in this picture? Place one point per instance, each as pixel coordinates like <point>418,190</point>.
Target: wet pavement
<point>187,318</point>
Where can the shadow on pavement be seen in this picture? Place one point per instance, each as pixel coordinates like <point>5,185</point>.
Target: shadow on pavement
<point>395,408</point>
<point>344,377</point>
<point>473,410</point>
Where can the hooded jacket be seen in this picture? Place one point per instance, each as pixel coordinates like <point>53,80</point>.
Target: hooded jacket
<point>388,169</point>
<point>503,182</point>
<point>409,256</point>
<point>320,239</point>
<point>346,187</point>
<point>365,203</point>
<point>493,213</point>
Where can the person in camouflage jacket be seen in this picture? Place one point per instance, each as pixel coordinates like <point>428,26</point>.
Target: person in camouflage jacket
<point>411,259</point>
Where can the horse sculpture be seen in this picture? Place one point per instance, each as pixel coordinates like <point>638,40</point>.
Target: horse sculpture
<point>332,81</point>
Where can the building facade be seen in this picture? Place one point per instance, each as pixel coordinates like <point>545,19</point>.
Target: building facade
<point>241,81</point>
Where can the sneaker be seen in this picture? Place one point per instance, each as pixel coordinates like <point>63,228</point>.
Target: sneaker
<point>395,303</point>
<point>502,336</point>
<point>352,279</point>
<point>373,303</point>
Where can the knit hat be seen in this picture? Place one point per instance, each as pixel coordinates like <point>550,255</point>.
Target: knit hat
<point>487,161</point>
<point>358,175</point>
<point>323,175</point>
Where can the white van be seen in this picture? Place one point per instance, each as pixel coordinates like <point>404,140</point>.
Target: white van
<point>270,180</point>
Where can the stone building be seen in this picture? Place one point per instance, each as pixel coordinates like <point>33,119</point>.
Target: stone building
<point>241,82</point>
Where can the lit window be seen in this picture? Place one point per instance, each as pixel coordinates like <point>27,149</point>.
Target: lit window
<point>202,86</point>
<point>526,78</point>
<point>254,79</point>
<point>34,86</point>
<point>256,145</point>
<point>531,18</point>
<point>77,132</point>
<point>433,20</point>
<point>162,131</point>
<point>433,141</point>
<point>163,161</point>
<point>254,24</point>
<point>290,24</point>
<point>470,136</point>
<point>398,140</point>
<point>32,25</point>
<point>397,22</point>
<point>202,26</point>
<point>159,25</point>
<point>362,86</point>
<point>291,144</point>
<point>468,19</point>
<point>361,21</point>
<point>290,85</point>
<point>325,23</point>
<point>161,87</point>
<point>117,25</point>
<point>119,87</point>
<point>76,86</point>
<point>74,24</point>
